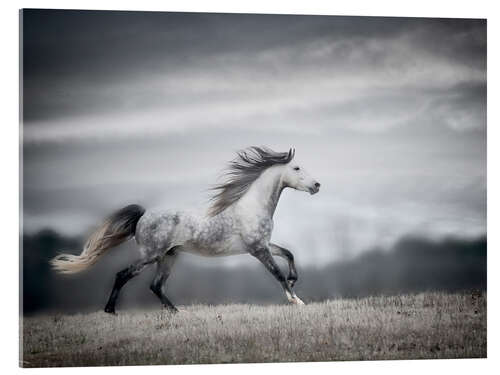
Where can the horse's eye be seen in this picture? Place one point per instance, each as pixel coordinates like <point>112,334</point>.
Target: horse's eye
<point>296,169</point>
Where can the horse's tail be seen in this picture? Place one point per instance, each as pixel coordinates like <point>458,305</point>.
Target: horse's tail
<point>118,228</point>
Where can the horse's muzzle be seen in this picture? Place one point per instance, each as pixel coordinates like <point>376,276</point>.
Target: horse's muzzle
<point>315,188</point>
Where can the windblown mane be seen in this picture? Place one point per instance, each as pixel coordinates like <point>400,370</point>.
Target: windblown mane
<point>242,172</point>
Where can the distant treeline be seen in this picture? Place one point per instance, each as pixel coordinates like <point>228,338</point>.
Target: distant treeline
<point>412,265</point>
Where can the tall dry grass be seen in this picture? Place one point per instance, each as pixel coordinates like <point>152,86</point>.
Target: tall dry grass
<point>426,325</point>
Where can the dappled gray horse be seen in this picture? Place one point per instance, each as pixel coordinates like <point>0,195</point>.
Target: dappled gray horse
<point>239,221</point>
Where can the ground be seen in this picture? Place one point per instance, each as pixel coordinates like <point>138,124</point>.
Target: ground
<point>426,325</point>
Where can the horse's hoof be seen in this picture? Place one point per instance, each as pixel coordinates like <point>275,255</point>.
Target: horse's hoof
<point>110,310</point>
<point>170,309</point>
<point>297,301</point>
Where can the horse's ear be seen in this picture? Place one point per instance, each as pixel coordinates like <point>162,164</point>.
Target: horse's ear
<point>291,153</point>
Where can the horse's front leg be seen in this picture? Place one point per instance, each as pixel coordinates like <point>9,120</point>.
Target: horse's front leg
<point>263,254</point>
<point>288,256</point>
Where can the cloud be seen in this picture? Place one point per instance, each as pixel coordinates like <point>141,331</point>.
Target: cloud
<point>359,82</point>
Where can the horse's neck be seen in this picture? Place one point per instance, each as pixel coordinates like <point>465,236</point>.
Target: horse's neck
<point>263,195</point>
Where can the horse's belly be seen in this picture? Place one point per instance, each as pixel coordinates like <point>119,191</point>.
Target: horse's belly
<point>231,246</point>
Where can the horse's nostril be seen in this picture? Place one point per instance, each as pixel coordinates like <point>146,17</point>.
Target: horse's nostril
<point>317,184</point>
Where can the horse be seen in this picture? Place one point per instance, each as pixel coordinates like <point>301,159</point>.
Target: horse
<point>239,221</point>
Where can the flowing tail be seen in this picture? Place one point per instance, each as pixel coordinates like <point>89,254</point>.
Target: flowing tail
<point>118,228</point>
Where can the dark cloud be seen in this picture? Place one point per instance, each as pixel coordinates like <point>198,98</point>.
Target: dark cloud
<point>71,58</point>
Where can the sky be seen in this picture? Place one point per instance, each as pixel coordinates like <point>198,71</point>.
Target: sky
<point>389,114</point>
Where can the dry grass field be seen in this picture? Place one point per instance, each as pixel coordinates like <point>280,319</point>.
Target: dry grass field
<point>426,325</point>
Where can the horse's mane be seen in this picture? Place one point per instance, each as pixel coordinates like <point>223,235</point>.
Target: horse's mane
<point>242,172</point>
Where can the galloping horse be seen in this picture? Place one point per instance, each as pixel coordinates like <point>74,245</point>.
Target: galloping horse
<point>239,221</point>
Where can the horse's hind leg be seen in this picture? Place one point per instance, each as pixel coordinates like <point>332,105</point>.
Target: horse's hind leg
<point>121,279</point>
<point>288,256</point>
<point>164,265</point>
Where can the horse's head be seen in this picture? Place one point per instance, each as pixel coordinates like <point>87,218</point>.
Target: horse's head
<point>296,177</point>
